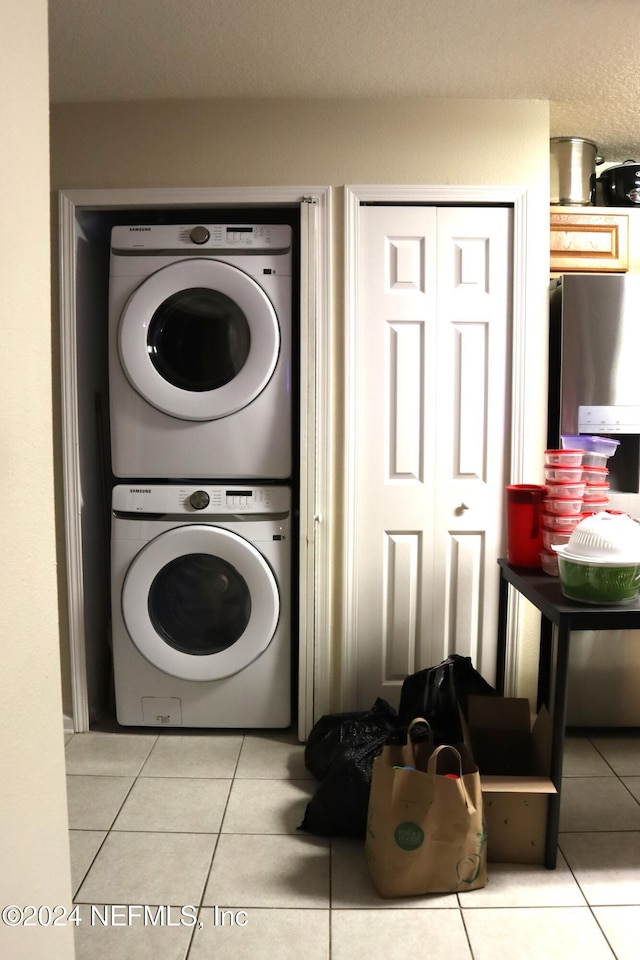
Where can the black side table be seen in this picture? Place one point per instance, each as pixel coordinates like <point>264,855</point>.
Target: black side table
<point>545,594</point>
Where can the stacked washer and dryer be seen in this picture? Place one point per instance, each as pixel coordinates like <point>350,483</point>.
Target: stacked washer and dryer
<point>200,395</point>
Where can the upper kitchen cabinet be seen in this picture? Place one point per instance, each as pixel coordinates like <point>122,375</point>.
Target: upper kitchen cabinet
<point>596,239</point>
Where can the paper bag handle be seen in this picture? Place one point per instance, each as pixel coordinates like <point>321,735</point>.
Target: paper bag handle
<point>432,768</point>
<point>414,722</point>
<point>417,750</point>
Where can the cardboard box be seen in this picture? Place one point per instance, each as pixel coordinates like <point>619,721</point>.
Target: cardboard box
<point>514,759</point>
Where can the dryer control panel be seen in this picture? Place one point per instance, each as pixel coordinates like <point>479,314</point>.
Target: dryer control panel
<point>193,499</point>
<point>200,238</point>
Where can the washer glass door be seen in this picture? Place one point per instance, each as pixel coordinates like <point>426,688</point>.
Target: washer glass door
<point>200,602</point>
<point>199,339</point>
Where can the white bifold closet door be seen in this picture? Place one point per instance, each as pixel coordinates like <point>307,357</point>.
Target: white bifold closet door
<point>434,310</point>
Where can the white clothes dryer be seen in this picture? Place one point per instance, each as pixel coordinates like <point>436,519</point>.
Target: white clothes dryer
<point>200,364</point>
<point>201,605</point>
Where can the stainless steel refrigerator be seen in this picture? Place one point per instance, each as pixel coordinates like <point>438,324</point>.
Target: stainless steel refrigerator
<point>594,388</point>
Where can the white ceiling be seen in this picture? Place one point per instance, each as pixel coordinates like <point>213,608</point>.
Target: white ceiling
<point>582,55</point>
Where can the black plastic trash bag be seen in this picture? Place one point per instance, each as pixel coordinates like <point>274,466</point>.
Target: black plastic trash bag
<point>436,694</point>
<point>340,751</point>
<point>335,733</point>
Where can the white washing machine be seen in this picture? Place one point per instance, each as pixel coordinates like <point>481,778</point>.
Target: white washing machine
<point>200,358</point>
<point>201,605</point>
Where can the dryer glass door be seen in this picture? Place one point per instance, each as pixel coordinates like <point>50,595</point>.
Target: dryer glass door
<point>212,602</point>
<point>199,339</point>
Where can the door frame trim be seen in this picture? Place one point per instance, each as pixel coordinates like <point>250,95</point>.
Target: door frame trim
<point>355,195</point>
<point>316,338</point>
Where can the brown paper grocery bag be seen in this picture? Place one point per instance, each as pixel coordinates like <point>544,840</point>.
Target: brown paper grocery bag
<point>425,827</point>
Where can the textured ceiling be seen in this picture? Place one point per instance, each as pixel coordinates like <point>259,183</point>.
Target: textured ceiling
<point>582,55</point>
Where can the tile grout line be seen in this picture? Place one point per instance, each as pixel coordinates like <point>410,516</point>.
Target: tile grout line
<point>601,754</point>
<point>604,935</point>
<point>464,926</point>
<point>217,841</point>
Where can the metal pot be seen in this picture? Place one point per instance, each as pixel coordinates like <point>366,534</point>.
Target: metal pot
<point>573,170</point>
<point>621,185</point>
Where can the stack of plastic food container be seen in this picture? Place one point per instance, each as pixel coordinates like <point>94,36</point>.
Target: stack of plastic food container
<point>576,478</point>
<point>563,504</point>
<point>595,471</point>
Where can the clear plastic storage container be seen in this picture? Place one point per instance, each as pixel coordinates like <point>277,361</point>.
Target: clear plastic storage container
<point>594,474</point>
<point>551,537</point>
<point>595,491</point>
<point>590,459</point>
<point>561,521</point>
<point>549,562</point>
<point>563,506</point>
<point>563,474</point>
<point>603,445</point>
<point>573,490</point>
<point>563,458</point>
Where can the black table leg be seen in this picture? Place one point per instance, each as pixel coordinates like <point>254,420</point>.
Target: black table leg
<point>557,743</point>
<point>545,663</point>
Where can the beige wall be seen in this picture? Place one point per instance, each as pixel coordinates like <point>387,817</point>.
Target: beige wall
<point>34,850</point>
<point>230,142</point>
<point>403,141</point>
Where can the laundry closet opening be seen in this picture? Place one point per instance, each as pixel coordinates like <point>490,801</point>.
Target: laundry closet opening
<point>252,498</point>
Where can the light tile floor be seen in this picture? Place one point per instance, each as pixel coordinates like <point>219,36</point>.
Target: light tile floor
<point>185,847</point>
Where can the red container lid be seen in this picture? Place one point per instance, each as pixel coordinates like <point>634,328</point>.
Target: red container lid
<point>553,519</point>
<point>562,450</point>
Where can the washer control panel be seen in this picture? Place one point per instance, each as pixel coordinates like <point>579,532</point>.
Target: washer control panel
<point>190,499</point>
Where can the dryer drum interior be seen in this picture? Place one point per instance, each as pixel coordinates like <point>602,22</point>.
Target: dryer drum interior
<point>198,339</point>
